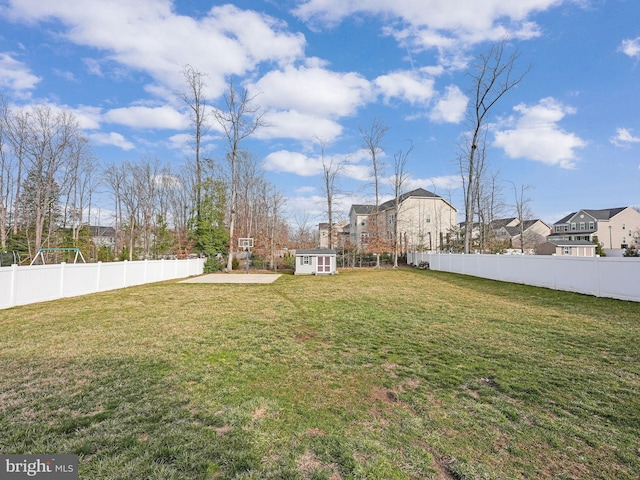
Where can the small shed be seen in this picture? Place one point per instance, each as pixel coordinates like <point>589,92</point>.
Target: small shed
<point>319,261</point>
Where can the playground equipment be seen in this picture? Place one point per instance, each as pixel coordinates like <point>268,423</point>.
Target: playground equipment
<point>55,251</point>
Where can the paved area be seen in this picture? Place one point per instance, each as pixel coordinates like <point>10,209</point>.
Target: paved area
<point>234,278</point>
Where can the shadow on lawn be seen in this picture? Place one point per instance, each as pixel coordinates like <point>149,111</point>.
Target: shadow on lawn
<point>122,416</point>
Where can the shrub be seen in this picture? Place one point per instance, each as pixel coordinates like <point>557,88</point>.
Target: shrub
<point>212,265</point>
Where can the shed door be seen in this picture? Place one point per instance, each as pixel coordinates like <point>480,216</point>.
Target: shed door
<point>324,264</point>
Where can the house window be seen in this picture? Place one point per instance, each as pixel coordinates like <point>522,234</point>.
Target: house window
<point>304,260</point>
<point>566,250</point>
<point>581,226</point>
<point>573,225</point>
<point>428,218</point>
<point>592,226</point>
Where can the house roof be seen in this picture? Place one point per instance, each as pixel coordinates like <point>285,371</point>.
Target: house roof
<point>97,231</point>
<point>602,214</point>
<point>526,225</point>
<point>363,209</point>
<point>502,222</point>
<point>571,243</point>
<point>418,192</point>
<point>316,251</point>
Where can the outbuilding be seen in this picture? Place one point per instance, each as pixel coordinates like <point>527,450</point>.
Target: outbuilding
<point>320,261</point>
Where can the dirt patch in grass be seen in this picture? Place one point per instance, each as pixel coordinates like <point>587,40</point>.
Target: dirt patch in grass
<point>309,466</point>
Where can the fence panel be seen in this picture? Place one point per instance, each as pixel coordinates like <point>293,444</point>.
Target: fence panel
<point>40,283</point>
<point>599,276</point>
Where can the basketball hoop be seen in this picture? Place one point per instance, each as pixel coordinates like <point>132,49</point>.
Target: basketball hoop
<point>246,244</point>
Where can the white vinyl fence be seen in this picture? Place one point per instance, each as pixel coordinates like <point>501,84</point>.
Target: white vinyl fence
<point>40,283</point>
<point>599,276</point>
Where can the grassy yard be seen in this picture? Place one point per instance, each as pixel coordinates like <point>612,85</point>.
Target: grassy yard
<point>364,375</point>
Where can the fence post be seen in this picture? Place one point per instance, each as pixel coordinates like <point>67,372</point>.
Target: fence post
<point>124,273</point>
<point>62,269</point>
<point>99,273</point>
<point>598,282</point>
<point>12,292</point>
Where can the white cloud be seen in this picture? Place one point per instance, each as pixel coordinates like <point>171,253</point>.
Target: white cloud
<point>624,137</point>
<point>451,107</point>
<point>631,47</point>
<point>88,117</point>
<point>538,137</point>
<point>295,125</point>
<point>307,166</point>
<point>409,86</point>
<point>111,138</point>
<point>313,90</point>
<point>225,41</point>
<point>292,162</point>
<point>15,75</point>
<point>437,23</point>
<point>147,117</point>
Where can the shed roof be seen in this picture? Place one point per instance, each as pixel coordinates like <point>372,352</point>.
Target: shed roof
<point>316,251</point>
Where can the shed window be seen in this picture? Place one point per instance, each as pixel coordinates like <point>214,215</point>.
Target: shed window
<point>304,260</point>
<point>566,250</point>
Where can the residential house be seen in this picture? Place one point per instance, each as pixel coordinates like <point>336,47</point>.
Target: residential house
<point>524,236</point>
<point>340,234</point>
<point>572,248</point>
<point>506,233</point>
<point>424,222</point>
<point>613,228</point>
<point>103,236</point>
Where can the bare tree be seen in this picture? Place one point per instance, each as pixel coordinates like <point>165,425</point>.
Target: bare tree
<point>331,169</point>
<point>522,208</point>
<point>80,183</point>
<point>493,76</point>
<point>194,98</point>
<point>372,143</point>
<point>17,129</point>
<point>6,173</point>
<point>490,204</point>
<point>239,120</point>
<point>399,180</point>
<point>48,153</point>
<point>304,236</point>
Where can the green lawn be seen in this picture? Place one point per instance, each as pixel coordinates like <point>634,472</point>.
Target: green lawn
<point>377,374</point>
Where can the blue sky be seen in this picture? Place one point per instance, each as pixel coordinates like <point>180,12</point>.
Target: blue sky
<point>325,68</point>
